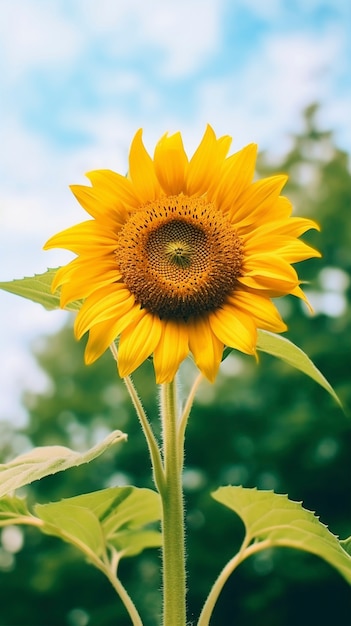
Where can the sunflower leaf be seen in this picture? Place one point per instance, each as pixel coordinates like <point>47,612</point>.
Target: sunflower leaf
<point>74,524</point>
<point>287,351</point>
<point>12,509</point>
<point>277,521</point>
<point>38,289</point>
<point>47,460</point>
<point>346,544</point>
<point>111,518</point>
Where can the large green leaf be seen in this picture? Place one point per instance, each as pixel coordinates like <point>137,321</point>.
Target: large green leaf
<point>46,460</point>
<point>114,517</point>
<point>75,524</point>
<point>282,348</point>
<point>38,289</point>
<point>273,517</point>
<point>132,542</point>
<point>103,525</point>
<point>117,507</point>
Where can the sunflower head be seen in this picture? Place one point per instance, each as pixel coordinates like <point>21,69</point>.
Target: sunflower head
<point>180,260</point>
<point>181,256</point>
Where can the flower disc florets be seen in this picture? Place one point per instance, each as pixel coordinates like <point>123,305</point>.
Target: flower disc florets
<point>179,256</point>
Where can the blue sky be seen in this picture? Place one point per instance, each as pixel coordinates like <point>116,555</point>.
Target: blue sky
<point>79,77</point>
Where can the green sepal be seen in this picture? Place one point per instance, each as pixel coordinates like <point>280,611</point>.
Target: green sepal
<point>273,520</point>
<point>38,289</point>
<point>46,460</point>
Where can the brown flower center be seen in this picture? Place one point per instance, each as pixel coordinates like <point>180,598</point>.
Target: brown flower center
<point>179,256</point>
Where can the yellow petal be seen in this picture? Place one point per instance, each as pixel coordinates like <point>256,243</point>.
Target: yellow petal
<point>117,188</point>
<point>268,271</point>
<point>101,335</point>
<point>137,342</point>
<point>205,165</point>
<point>261,309</point>
<point>295,251</point>
<point>62,276</point>
<point>299,225</point>
<point>237,174</point>
<point>100,338</point>
<point>171,350</point>
<point>234,328</point>
<point>142,171</point>
<point>84,238</point>
<point>289,227</point>
<point>82,277</point>
<point>278,210</point>
<point>257,200</point>
<point>206,347</point>
<point>292,227</point>
<point>108,303</point>
<point>100,205</point>
<point>171,163</point>
<point>281,209</point>
<point>287,248</point>
<point>300,294</point>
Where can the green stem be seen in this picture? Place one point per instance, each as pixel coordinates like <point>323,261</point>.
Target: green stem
<point>244,552</point>
<point>111,573</point>
<point>174,585</point>
<point>185,416</point>
<point>107,567</point>
<point>154,451</point>
<point>127,601</point>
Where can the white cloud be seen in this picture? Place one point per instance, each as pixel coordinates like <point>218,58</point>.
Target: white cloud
<point>267,10</point>
<point>273,10</point>
<point>179,36</point>
<point>189,34</point>
<point>265,100</point>
<point>339,7</point>
<point>23,323</point>
<point>36,34</point>
<point>28,154</point>
<point>183,34</point>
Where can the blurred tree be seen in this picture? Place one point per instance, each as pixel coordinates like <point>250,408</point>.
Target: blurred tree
<point>265,426</point>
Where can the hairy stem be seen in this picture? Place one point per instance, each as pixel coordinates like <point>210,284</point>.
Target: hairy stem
<point>154,451</point>
<point>122,592</point>
<point>185,416</point>
<point>174,585</point>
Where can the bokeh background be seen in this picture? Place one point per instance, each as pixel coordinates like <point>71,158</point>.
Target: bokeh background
<point>77,79</point>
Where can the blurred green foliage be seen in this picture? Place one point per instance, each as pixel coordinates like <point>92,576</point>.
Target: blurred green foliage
<point>266,426</point>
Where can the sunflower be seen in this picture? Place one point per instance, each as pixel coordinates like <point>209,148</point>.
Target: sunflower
<point>181,256</point>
